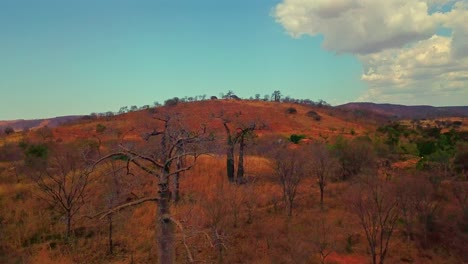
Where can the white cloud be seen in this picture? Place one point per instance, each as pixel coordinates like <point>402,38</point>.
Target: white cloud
<point>425,72</point>
<point>358,26</point>
<point>403,59</point>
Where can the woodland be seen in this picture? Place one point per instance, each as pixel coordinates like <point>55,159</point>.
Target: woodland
<point>228,180</point>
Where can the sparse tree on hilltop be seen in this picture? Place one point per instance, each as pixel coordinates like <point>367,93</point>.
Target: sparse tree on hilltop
<point>276,96</point>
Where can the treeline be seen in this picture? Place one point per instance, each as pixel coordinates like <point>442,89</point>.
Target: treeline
<point>276,96</point>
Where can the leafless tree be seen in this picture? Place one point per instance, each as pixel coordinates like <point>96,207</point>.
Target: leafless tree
<point>407,192</point>
<point>323,238</point>
<point>238,135</point>
<point>323,166</point>
<point>376,206</point>
<point>427,207</point>
<point>61,173</point>
<point>290,171</point>
<point>167,145</point>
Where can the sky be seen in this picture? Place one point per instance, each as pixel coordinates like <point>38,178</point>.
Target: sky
<point>64,57</point>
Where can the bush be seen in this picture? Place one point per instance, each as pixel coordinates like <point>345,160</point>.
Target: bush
<point>172,102</point>
<point>100,128</point>
<point>291,110</point>
<point>296,138</point>
<point>314,115</point>
<point>9,130</point>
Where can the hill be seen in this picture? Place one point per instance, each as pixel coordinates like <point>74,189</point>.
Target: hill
<point>408,112</point>
<point>22,124</point>
<point>284,210</point>
<point>277,118</point>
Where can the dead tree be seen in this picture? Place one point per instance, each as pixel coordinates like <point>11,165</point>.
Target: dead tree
<point>376,207</point>
<point>174,142</point>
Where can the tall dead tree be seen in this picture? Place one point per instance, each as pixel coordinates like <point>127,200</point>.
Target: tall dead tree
<point>164,148</point>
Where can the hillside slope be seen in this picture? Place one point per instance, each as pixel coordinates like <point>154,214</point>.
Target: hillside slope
<point>274,116</point>
<point>21,124</point>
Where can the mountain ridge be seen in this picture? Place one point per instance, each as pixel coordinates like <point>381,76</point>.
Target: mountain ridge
<point>408,111</point>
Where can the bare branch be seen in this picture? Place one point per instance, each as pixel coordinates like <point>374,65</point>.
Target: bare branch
<point>123,206</point>
<point>184,238</point>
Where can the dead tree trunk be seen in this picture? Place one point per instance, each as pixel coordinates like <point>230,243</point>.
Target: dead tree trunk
<point>165,235</point>
<point>111,244</point>
<point>240,164</point>
<point>229,154</point>
<point>69,221</point>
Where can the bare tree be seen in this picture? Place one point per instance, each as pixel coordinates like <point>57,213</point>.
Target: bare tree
<point>323,166</point>
<point>173,142</point>
<point>243,132</point>
<point>231,143</point>
<point>376,207</point>
<point>62,176</point>
<point>323,238</point>
<point>290,171</point>
<point>426,207</point>
<point>409,202</point>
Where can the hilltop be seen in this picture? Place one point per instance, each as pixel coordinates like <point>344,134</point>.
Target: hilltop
<point>278,118</point>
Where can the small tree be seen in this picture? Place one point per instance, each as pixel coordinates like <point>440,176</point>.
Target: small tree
<point>323,167</point>
<point>9,130</point>
<point>323,238</point>
<point>276,96</point>
<point>61,174</point>
<point>376,206</point>
<point>290,171</point>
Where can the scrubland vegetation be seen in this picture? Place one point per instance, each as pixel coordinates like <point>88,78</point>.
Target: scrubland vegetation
<point>232,181</point>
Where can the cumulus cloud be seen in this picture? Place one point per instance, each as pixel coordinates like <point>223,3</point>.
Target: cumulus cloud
<point>358,26</point>
<point>424,72</point>
<point>403,59</point>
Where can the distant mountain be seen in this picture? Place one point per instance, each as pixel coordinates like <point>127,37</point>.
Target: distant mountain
<point>21,124</point>
<point>408,112</point>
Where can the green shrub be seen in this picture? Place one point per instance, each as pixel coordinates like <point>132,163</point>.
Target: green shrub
<point>314,115</point>
<point>291,110</point>
<point>296,138</point>
<point>100,128</point>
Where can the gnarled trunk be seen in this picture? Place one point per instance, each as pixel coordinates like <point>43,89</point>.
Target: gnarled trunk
<point>240,166</point>
<point>230,160</point>
<point>164,225</point>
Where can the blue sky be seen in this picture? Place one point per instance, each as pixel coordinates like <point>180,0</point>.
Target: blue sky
<point>61,57</point>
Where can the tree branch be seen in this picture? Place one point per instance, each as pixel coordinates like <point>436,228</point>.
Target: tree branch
<point>123,206</point>
<point>184,241</point>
